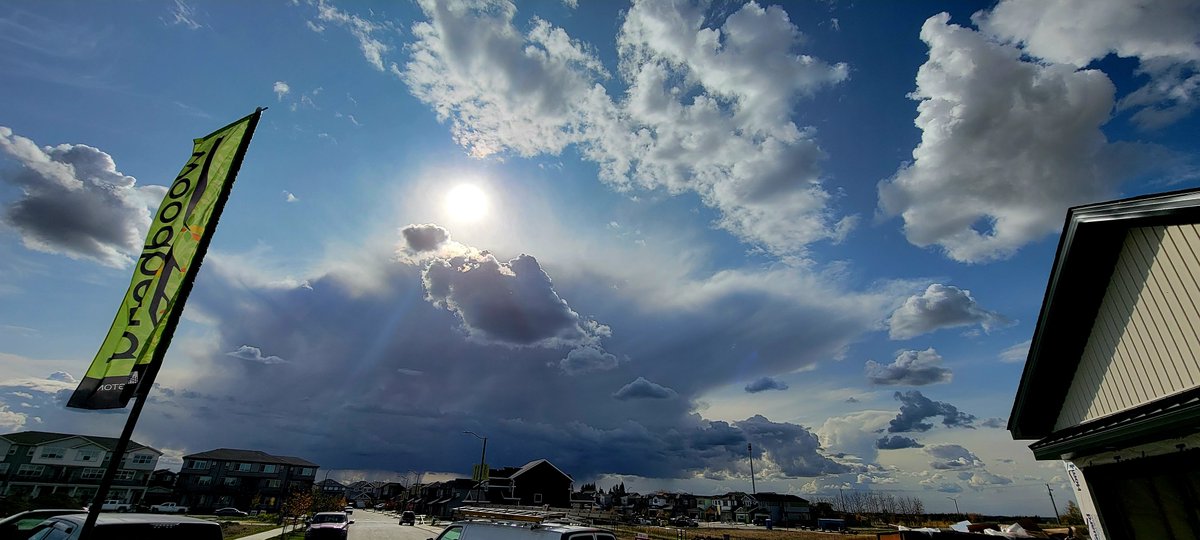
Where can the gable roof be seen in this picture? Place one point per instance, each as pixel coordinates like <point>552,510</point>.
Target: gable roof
<point>769,496</point>
<point>253,456</point>
<point>533,464</point>
<point>38,438</point>
<point>1088,249</point>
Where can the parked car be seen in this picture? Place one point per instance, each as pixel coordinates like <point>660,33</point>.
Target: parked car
<point>349,510</point>
<point>168,508</point>
<point>684,522</point>
<point>20,526</point>
<point>115,505</point>
<point>230,511</point>
<point>141,526</point>
<point>408,517</point>
<point>328,525</point>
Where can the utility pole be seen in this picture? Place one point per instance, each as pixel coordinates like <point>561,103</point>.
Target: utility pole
<point>483,474</point>
<point>750,450</point>
<point>955,499</point>
<point>1057,519</point>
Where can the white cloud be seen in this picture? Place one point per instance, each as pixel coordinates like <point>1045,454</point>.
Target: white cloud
<point>1016,353</point>
<point>290,197</point>
<point>911,368</point>
<point>363,30</point>
<point>953,456</point>
<point>281,89</point>
<point>1007,145</point>
<point>1163,35</point>
<point>708,109</point>
<point>940,306</point>
<point>184,15</point>
<point>75,202</point>
<point>254,354</point>
<point>641,388</point>
<point>61,376</point>
<point>855,433</point>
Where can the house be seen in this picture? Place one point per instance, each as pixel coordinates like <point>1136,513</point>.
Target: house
<point>161,487</point>
<point>537,483</point>
<point>783,508</point>
<point>332,487</point>
<point>246,479</point>
<point>34,463</point>
<point>1111,384</point>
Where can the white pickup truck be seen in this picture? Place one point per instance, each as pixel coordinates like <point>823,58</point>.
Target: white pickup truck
<point>168,508</point>
<point>114,505</point>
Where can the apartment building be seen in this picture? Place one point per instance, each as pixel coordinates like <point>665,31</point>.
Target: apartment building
<point>34,463</point>
<point>245,479</point>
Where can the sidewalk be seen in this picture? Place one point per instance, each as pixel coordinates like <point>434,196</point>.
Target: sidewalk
<point>265,535</point>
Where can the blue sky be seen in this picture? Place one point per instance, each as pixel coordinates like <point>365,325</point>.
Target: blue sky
<point>824,228</point>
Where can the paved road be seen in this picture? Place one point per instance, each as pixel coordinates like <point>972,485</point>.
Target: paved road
<point>370,525</point>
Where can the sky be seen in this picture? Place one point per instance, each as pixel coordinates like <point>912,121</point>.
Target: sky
<point>629,238</point>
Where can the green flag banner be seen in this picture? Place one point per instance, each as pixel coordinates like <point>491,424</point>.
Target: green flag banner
<point>163,274</point>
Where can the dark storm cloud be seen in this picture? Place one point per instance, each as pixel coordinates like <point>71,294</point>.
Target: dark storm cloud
<point>426,237</point>
<point>640,388</point>
<point>763,384</point>
<point>911,368</point>
<point>941,306</point>
<point>896,442</point>
<point>512,303</point>
<point>75,202</point>
<point>915,408</point>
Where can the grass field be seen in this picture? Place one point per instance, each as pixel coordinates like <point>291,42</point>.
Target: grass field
<point>237,530</point>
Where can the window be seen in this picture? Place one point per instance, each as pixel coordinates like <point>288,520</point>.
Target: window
<point>229,465</point>
<point>92,474</point>
<point>30,470</point>
<point>53,452</point>
<point>453,533</point>
<point>270,468</point>
<point>231,481</point>
<point>12,450</point>
<point>307,471</point>
<point>88,455</point>
<point>29,453</point>
<point>3,468</point>
<point>124,474</point>
<point>537,498</point>
<point>199,464</point>
<point>203,480</point>
<point>142,459</point>
<point>244,467</point>
<point>273,483</point>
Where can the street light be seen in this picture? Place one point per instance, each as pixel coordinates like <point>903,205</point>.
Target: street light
<point>482,473</point>
<point>955,499</point>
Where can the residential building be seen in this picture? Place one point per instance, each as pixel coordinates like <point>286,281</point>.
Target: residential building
<point>246,479</point>
<point>537,483</point>
<point>34,463</point>
<point>330,486</point>
<point>161,488</point>
<point>782,508</point>
<point>1112,381</point>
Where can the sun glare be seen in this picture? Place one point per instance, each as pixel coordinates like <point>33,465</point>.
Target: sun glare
<point>466,202</point>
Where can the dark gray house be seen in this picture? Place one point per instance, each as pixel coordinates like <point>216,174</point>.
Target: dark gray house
<point>245,479</point>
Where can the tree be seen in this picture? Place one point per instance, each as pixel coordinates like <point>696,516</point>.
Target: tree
<point>1073,515</point>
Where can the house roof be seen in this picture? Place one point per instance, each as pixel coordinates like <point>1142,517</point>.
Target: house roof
<point>533,464</point>
<point>37,438</point>
<point>329,482</point>
<point>253,456</point>
<point>1088,250</point>
<point>768,496</point>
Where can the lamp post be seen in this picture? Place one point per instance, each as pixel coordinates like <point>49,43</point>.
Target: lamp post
<point>482,456</point>
<point>955,499</point>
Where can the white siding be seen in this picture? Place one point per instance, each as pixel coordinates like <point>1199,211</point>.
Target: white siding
<point>1145,342</point>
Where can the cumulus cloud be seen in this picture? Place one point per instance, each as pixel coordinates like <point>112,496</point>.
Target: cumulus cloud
<point>856,433</point>
<point>911,368</point>
<point>425,237</point>
<point>940,306</point>
<point>981,479</point>
<point>793,448</point>
<point>915,408</point>
<point>254,354</point>
<point>994,422</point>
<point>942,483</point>
<point>61,376</point>
<point>1164,37</point>
<point>75,202</point>
<point>953,456</point>
<point>707,109</point>
<point>1016,353</point>
<point>281,89</point>
<point>1007,145</point>
<point>763,384</point>
<point>588,359</point>
<point>896,442</point>
<point>641,388</point>
<point>290,197</point>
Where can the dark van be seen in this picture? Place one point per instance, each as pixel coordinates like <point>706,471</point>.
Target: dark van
<point>125,526</point>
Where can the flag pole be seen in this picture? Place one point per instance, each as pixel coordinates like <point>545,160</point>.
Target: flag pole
<point>147,382</point>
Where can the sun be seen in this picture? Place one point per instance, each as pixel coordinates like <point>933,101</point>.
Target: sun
<point>466,203</point>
